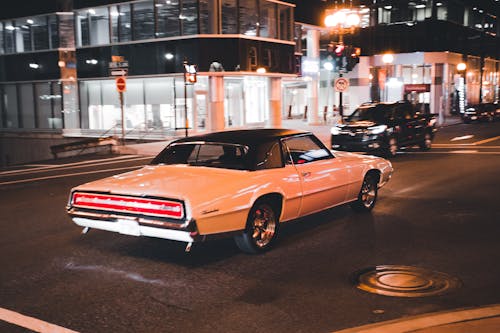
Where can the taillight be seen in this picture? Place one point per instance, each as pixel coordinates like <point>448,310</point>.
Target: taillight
<point>115,203</point>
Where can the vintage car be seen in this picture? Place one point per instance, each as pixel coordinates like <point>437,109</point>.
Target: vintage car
<point>241,183</point>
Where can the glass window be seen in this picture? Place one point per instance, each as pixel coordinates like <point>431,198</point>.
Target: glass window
<point>114,18</point>
<point>285,22</point>
<point>143,20</point>
<point>189,17</point>
<point>206,17</point>
<point>43,99</point>
<point>269,156</point>
<point>53,32</point>
<point>248,17</point>
<point>23,36</point>
<point>27,105</point>
<point>124,23</point>
<point>2,50</point>
<point>40,30</point>
<point>268,26</point>
<point>82,28</point>
<point>168,19</point>
<point>11,107</point>
<point>99,25</point>
<point>229,17</point>
<point>159,98</point>
<point>10,41</point>
<point>304,149</point>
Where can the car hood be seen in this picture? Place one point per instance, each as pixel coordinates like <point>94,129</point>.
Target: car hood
<point>169,181</point>
<point>361,124</point>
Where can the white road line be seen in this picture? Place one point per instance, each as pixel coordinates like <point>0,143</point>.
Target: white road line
<point>67,175</point>
<point>486,140</point>
<point>75,165</point>
<point>31,323</point>
<point>462,145</point>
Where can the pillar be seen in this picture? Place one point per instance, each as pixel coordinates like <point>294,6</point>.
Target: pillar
<point>275,102</point>
<point>216,120</point>
<point>313,37</point>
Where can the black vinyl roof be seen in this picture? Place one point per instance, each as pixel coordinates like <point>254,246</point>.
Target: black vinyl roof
<point>248,137</point>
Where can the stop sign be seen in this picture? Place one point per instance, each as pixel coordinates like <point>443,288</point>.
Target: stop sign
<point>121,84</point>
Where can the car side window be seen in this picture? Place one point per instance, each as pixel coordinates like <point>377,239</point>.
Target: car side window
<point>269,156</point>
<point>304,149</point>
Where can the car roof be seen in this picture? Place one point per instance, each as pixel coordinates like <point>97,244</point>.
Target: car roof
<point>248,137</point>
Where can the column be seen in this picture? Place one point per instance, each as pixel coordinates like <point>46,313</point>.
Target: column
<point>216,104</point>
<point>275,102</point>
<point>436,89</point>
<point>313,37</point>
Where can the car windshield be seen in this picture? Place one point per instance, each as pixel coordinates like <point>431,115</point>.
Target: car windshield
<point>207,154</point>
<point>368,113</point>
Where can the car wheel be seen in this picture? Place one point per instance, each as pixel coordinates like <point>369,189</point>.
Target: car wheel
<point>427,142</point>
<point>261,229</point>
<point>367,196</point>
<point>392,147</point>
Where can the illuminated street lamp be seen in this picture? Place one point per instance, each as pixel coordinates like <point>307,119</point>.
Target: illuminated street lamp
<point>341,21</point>
<point>462,87</point>
<point>387,59</point>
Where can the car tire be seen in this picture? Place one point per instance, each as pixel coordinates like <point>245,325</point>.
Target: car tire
<point>261,229</point>
<point>392,147</point>
<point>367,196</point>
<point>426,144</point>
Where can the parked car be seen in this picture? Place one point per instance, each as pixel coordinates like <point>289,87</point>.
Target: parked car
<point>241,183</point>
<point>481,112</point>
<point>383,128</point>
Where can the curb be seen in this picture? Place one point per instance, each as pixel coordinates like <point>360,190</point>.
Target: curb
<point>411,324</point>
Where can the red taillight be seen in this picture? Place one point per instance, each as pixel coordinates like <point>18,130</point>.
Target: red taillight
<point>153,207</point>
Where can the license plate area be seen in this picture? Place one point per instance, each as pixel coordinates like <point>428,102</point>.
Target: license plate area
<point>128,227</point>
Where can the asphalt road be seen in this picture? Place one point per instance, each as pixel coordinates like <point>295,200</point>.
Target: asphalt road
<point>440,211</point>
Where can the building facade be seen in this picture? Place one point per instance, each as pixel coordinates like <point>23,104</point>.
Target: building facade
<point>255,66</point>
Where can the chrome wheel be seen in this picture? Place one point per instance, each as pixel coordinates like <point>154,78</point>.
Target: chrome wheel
<point>367,195</point>
<point>261,229</point>
<point>263,225</point>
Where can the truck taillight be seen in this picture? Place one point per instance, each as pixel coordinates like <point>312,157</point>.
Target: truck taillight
<point>127,204</point>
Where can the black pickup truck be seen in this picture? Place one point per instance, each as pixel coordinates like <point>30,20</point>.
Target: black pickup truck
<point>383,128</point>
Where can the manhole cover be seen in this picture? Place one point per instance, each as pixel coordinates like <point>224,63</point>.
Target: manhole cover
<point>404,281</point>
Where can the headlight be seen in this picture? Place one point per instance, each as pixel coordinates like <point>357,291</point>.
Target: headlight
<point>377,129</point>
<point>335,130</point>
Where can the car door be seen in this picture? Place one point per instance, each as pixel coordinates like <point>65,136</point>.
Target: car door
<point>324,181</point>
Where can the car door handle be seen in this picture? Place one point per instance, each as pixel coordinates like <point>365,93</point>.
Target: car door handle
<point>306,174</point>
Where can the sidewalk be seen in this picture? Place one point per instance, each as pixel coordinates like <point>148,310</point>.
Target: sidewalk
<point>322,131</point>
<point>476,320</point>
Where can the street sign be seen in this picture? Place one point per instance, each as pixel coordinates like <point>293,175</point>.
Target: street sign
<point>341,84</point>
<point>118,72</point>
<point>121,84</point>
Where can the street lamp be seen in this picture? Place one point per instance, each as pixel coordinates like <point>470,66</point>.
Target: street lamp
<point>462,87</point>
<point>341,21</point>
<point>387,59</point>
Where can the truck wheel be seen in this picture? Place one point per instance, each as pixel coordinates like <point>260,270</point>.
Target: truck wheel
<point>426,144</point>
<point>392,147</point>
<point>261,229</point>
<point>367,195</point>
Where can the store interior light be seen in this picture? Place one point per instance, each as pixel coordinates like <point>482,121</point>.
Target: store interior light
<point>30,21</point>
<point>328,66</point>
<point>169,56</point>
<point>261,70</point>
<point>34,65</point>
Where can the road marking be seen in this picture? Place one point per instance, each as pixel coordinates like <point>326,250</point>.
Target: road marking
<point>486,140</point>
<point>31,323</point>
<point>465,137</point>
<point>76,165</point>
<point>67,175</point>
<point>463,145</point>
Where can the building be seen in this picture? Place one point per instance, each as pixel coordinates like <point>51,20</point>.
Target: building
<point>56,70</point>
<point>422,41</point>
<point>255,64</point>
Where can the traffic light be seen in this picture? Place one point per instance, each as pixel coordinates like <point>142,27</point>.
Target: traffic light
<point>190,77</point>
<point>189,73</point>
<point>339,50</point>
<point>352,57</point>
